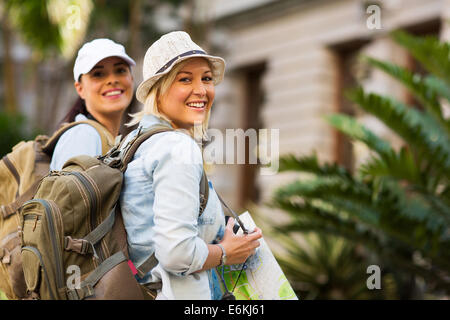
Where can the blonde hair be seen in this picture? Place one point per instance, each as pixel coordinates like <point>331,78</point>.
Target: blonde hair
<point>151,103</point>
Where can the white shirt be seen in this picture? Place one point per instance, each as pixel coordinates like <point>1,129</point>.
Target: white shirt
<point>83,139</point>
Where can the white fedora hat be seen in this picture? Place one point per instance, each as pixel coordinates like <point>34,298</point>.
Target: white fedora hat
<point>165,53</point>
<point>96,50</point>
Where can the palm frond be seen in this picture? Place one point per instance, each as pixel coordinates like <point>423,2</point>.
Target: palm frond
<point>438,86</point>
<point>350,198</point>
<point>399,209</point>
<point>334,184</point>
<point>400,165</point>
<point>313,218</point>
<point>415,128</point>
<point>399,253</point>
<point>429,51</point>
<point>439,205</point>
<point>310,164</point>
<point>323,267</point>
<point>426,90</point>
<point>350,126</point>
<point>329,268</point>
<point>355,202</point>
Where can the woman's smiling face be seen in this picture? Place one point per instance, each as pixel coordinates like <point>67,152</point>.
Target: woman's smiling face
<point>190,96</point>
<point>108,87</point>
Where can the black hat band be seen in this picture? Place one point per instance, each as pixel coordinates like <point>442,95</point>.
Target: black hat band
<point>188,53</point>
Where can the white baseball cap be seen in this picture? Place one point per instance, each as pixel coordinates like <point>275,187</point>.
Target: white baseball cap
<point>165,53</point>
<point>96,50</point>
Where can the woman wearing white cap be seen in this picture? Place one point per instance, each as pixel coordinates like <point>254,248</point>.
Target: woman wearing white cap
<point>104,83</point>
<point>160,197</point>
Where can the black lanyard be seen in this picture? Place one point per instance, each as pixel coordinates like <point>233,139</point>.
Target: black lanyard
<point>234,215</point>
<point>229,295</point>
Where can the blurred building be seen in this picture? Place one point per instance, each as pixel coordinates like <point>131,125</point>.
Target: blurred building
<point>288,64</point>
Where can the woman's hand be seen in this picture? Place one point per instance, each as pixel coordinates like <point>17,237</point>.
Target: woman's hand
<point>239,247</point>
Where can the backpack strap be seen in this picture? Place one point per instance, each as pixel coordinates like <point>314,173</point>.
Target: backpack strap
<point>106,137</point>
<point>87,285</point>
<point>131,148</point>
<point>9,209</point>
<point>134,144</point>
<point>87,244</point>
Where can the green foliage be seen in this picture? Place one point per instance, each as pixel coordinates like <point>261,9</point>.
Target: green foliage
<point>11,131</point>
<point>430,52</point>
<point>397,204</point>
<point>32,20</point>
<point>109,17</point>
<point>328,267</point>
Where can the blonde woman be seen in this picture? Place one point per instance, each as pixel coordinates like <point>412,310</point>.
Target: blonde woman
<point>159,201</point>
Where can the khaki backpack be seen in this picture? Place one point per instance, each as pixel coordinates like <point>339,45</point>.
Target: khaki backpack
<point>74,244</point>
<point>20,173</point>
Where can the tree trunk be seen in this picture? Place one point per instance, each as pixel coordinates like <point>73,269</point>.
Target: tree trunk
<point>38,87</point>
<point>134,48</point>
<point>57,82</point>
<point>8,66</point>
<point>188,20</point>
<point>135,28</point>
<point>198,23</point>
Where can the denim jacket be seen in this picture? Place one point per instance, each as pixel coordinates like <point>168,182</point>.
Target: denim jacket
<point>160,208</point>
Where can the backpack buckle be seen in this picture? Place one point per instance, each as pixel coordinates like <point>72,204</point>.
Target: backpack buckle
<point>113,158</point>
<point>5,256</point>
<point>80,246</point>
<point>81,293</point>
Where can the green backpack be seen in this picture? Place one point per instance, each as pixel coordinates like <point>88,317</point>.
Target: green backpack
<point>73,229</point>
<point>20,173</point>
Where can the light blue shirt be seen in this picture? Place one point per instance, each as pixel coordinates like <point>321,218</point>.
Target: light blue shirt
<point>160,209</point>
<point>83,139</point>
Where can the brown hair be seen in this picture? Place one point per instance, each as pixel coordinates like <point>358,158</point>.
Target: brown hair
<point>78,107</point>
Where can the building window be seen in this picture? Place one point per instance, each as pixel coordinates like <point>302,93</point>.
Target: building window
<point>348,71</point>
<point>253,99</point>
